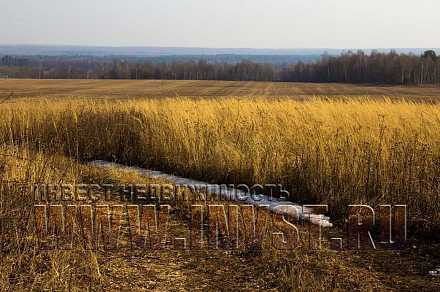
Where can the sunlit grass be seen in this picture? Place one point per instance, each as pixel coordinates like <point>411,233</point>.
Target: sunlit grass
<point>338,152</point>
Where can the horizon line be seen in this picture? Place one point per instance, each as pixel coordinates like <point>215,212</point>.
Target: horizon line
<point>211,48</point>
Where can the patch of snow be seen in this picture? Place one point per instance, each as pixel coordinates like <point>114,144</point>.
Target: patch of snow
<point>435,273</point>
<point>231,194</point>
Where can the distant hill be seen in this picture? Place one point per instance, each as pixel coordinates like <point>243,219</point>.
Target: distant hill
<point>50,50</point>
<point>151,51</point>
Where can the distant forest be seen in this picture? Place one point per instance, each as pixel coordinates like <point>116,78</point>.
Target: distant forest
<point>350,67</point>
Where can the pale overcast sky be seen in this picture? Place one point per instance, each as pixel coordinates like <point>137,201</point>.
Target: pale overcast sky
<point>223,23</point>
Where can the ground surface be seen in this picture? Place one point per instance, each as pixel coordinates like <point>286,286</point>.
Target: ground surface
<point>304,269</point>
<point>159,88</point>
<point>227,270</point>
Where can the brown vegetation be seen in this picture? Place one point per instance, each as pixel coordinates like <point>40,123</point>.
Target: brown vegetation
<point>121,89</point>
<point>333,152</point>
<point>24,266</point>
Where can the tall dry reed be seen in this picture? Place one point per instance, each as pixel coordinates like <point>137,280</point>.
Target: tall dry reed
<point>336,152</point>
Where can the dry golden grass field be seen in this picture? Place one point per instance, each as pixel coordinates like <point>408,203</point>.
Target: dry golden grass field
<point>355,150</point>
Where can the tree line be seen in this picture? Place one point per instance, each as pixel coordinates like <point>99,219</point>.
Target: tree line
<point>350,67</point>
<point>388,68</point>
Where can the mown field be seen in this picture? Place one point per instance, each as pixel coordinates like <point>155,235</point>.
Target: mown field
<point>323,150</point>
<point>166,88</point>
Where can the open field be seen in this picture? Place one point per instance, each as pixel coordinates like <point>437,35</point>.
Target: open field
<point>163,88</point>
<point>335,152</point>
